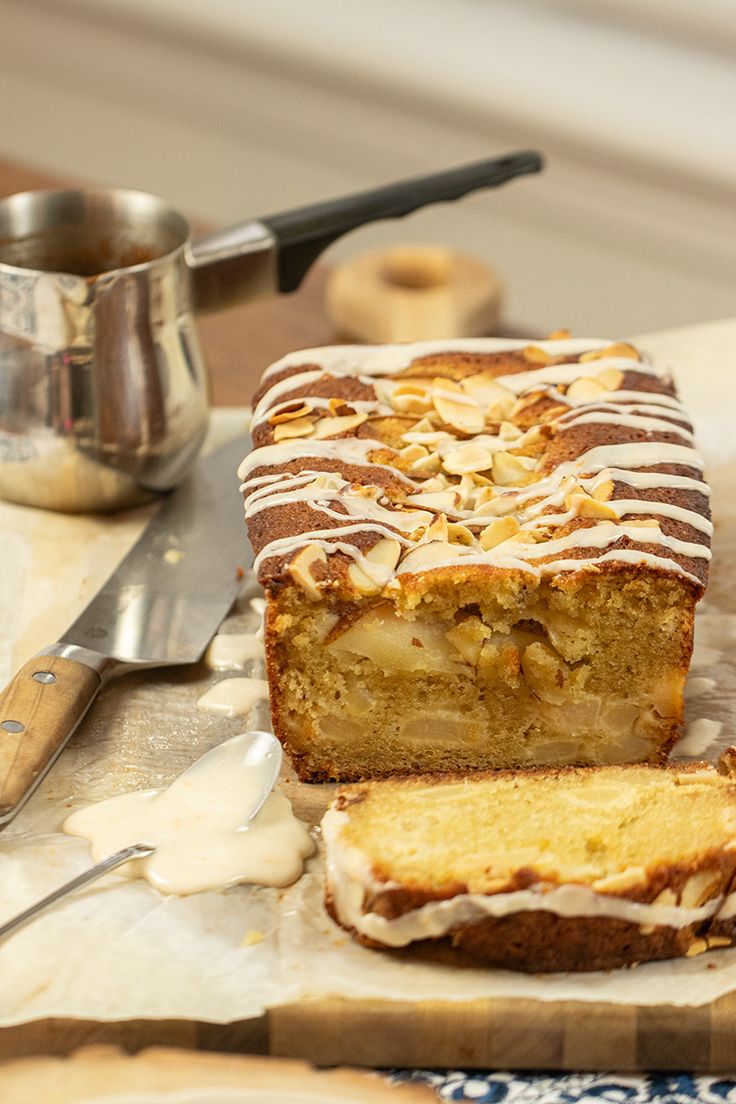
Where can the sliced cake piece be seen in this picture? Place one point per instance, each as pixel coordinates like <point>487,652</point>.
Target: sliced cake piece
<point>477,554</point>
<point>542,870</point>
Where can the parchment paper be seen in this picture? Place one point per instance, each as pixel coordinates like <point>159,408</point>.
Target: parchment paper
<point>120,950</point>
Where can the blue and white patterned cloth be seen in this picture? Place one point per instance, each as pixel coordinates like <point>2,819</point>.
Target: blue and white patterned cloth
<point>572,1088</point>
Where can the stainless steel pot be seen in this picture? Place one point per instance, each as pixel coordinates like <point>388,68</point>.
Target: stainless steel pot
<point>103,392</point>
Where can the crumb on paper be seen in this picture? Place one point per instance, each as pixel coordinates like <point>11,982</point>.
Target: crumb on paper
<point>251,937</point>
<point>173,556</point>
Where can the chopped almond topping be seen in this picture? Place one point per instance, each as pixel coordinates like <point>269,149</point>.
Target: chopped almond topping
<point>619,349</point>
<point>465,416</point>
<point>718,941</point>
<point>582,505</point>
<point>500,530</point>
<point>699,946</point>
<point>611,379</point>
<point>559,335</point>
<point>621,881</point>
<point>509,432</point>
<point>300,568</point>
<point>510,471</point>
<point>300,427</point>
<point>603,491</point>
<point>535,355</point>
<point>587,387</point>
<point>437,530</point>
<point>413,452</point>
<point>428,555</point>
<point>290,414</point>
<point>459,534</point>
<point>428,463</point>
<point>468,458</point>
<point>330,427</point>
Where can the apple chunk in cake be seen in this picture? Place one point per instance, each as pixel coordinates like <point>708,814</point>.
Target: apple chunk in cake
<point>476,555</point>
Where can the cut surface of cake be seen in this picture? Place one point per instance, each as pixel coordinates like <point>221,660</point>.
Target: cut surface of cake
<point>476,554</point>
<point>542,870</point>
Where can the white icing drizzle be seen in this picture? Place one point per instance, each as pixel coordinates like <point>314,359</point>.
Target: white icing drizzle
<point>199,826</point>
<point>650,412</point>
<point>232,651</point>
<point>633,421</point>
<point>233,697</point>
<point>350,880</point>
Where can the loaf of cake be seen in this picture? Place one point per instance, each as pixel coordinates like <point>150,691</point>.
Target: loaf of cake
<point>551,869</point>
<point>477,554</point>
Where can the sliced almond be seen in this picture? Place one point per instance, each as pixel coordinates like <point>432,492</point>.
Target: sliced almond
<point>718,941</point>
<point>603,491</point>
<point>459,534</point>
<point>491,396</point>
<point>428,555</point>
<point>443,383</point>
<point>611,379</point>
<point>510,471</point>
<point>465,416</point>
<point>411,403</point>
<point>699,946</point>
<point>301,566</point>
<point>559,335</point>
<point>500,530</point>
<point>509,432</point>
<point>339,406</point>
<point>362,582</point>
<point>621,881</point>
<point>583,505</point>
<point>300,411</point>
<point>330,427</point>
<point>584,388</point>
<point>699,888</point>
<point>468,458</point>
<point>435,500</point>
<point>299,427</point>
<point>385,552</point>
<point>535,355</point>
<point>642,523</point>
<point>413,452</point>
<point>437,529</point>
<point>429,463</point>
<point>619,349</point>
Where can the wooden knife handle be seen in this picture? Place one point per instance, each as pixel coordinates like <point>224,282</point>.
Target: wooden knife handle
<point>39,710</point>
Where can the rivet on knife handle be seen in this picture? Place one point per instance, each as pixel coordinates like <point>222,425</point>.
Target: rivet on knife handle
<point>39,710</point>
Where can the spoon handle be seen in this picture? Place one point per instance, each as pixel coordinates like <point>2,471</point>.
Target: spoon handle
<point>137,851</point>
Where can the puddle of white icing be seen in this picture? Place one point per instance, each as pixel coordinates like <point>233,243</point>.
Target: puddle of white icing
<point>232,651</point>
<point>697,685</point>
<point>197,825</point>
<point>234,697</point>
<point>699,735</point>
<point>258,605</point>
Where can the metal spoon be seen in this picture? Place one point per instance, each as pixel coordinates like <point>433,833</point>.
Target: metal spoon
<point>265,747</point>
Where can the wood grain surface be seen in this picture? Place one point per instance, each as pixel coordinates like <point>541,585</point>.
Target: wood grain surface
<point>47,698</point>
<point>513,1034</point>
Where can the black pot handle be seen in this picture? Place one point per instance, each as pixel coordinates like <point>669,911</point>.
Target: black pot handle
<point>302,235</point>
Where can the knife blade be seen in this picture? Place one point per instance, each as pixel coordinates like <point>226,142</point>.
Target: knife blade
<point>160,607</point>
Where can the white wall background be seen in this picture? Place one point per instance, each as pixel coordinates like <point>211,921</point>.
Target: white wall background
<point>243,107</point>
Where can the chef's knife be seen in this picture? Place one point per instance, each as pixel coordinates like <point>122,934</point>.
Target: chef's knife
<point>160,607</point>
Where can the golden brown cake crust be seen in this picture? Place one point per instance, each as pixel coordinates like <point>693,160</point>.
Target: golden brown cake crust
<point>562,444</point>
<point>541,940</point>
